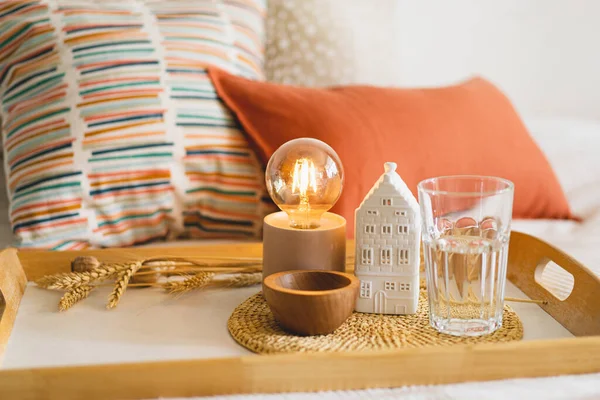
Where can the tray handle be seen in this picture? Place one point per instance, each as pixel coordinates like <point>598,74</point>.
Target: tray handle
<point>12,287</point>
<point>580,311</point>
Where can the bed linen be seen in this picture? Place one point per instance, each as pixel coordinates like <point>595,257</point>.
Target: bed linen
<point>583,387</point>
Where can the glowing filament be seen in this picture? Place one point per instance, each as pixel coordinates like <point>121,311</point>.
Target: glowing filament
<point>305,178</point>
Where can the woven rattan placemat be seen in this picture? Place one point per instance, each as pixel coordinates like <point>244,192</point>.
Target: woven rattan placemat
<point>252,325</point>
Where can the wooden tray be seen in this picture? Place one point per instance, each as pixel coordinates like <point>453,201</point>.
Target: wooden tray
<point>579,313</point>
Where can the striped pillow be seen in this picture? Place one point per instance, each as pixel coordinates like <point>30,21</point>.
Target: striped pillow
<point>113,133</point>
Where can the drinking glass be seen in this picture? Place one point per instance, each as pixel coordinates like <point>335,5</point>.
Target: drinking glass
<point>466,229</point>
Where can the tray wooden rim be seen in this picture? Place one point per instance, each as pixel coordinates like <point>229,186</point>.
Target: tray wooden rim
<point>279,373</point>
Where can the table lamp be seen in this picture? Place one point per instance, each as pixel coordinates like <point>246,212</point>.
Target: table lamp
<point>304,178</point>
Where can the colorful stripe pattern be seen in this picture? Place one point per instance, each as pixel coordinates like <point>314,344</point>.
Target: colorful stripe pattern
<point>128,155</point>
<point>44,181</point>
<point>223,178</point>
<point>113,134</point>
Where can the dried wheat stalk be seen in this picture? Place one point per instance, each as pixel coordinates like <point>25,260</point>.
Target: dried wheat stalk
<point>205,279</point>
<point>121,284</point>
<point>72,297</point>
<point>70,280</point>
<point>204,258</point>
<point>192,269</point>
<point>200,280</point>
<point>241,280</point>
<point>89,273</point>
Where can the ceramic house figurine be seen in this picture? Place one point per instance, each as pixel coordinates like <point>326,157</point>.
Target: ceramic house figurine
<point>388,232</point>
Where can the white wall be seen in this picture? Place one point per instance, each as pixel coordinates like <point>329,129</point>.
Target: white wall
<point>545,54</point>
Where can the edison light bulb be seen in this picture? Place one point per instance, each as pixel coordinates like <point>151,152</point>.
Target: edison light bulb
<point>305,178</point>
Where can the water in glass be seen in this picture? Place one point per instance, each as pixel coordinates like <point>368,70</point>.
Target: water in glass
<point>466,279</point>
<point>466,229</point>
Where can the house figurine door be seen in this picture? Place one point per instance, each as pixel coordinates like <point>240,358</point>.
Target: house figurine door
<point>380,302</point>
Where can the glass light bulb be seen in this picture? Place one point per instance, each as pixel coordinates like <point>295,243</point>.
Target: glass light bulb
<point>305,178</point>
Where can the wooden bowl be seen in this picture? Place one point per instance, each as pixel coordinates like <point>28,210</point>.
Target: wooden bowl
<point>311,302</point>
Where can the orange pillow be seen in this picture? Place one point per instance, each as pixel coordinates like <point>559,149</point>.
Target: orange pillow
<point>470,128</point>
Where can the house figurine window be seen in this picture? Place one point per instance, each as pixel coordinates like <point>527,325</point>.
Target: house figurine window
<point>369,229</point>
<point>365,289</point>
<point>389,285</point>
<point>386,229</point>
<point>403,257</point>
<point>372,212</point>
<point>405,287</point>
<point>386,202</point>
<point>367,256</point>
<point>403,229</point>
<point>400,213</point>
<point>386,256</point>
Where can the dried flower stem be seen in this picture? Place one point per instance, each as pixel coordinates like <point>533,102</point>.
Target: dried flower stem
<point>121,285</point>
<point>72,297</point>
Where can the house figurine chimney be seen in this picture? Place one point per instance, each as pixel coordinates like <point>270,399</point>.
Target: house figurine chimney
<point>387,259</point>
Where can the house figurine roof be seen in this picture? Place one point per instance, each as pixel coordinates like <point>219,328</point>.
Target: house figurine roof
<point>390,184</point>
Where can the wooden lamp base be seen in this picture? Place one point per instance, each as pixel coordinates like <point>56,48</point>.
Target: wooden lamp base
<point>286,248</point>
